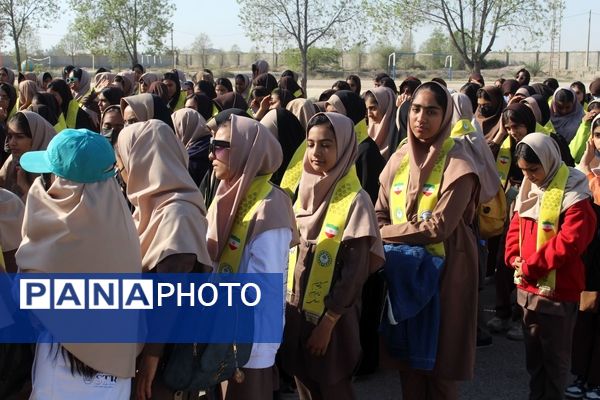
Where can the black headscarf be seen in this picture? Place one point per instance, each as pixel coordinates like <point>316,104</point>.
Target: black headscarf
<point>510,86</point>
<point>543,90</point>
<point>355,106</point>
<point>230,100</point>
<point>113,94</point>
<point>48,100</point>
<point>523,115</point>
<point>544,108</point>
<point>172,76</point>
<point>12,95</point>
<point>288,83</point>
<point>290,134</point>
<point>266,80</point>
<point>204,104</point>
<point>207,88</point>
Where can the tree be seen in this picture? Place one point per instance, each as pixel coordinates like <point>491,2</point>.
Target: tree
<point>305,22</point>
<point>439,46</point>
<point>21,16</point>
<point>69,45</point>
<point>201,45</point>
<point>472,25</point>
<point>317,57</point>
<point>135,21</point>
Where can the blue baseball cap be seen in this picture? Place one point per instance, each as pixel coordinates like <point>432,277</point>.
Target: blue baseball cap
<point>78,155</point>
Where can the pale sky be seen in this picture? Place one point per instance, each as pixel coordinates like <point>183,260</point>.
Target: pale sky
<point>219,19</point>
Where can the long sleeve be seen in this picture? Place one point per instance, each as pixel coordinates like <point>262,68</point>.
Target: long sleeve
<point>350,277</point>
<point>446,215</point>
<point>511,247</point>
<point>577,145</point>
<point>594,182</point>
<point>575,234</point>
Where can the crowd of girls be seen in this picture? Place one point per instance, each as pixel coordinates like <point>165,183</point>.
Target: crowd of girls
<point>375,205</point>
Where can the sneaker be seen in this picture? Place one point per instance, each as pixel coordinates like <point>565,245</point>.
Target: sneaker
<point>497,324</point>
<point>515,332</point>
<point>577,389</point>
<point>593,393</point>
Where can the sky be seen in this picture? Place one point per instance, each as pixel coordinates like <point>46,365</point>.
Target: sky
<point>219,19</point>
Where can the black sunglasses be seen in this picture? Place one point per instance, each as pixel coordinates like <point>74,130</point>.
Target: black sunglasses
<point>218,144</point>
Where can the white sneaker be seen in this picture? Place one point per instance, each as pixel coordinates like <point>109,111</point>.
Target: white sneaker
<point>593,393</point>
<point>577,389</point>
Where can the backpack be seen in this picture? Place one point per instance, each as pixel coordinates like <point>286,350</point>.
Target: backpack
<point>492,215</point>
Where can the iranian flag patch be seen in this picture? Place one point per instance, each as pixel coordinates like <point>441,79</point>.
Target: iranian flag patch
<point>398,187</point>
<point>503,160</point>
<point>428,189</point>
<point>331,231</point>
<point>547,226</point>
<point>234,242</point>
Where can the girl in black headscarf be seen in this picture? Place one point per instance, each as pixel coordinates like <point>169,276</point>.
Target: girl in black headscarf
<point>288,83</point>
<point>75,117</point>
<point>201,103</point>
<point>206,88</point>
<point>265,80</point>
<point>176,96</point>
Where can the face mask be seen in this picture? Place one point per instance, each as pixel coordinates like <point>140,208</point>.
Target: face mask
<point>107,133</point>
<point>486,111</point>
<point>597,153</point>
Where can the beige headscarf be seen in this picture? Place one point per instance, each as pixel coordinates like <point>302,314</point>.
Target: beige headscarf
<point>423,157</point>
<point>149,77</point>
<point>248,82</point>
<point>103,80</point>
<point>530,194</point>
<point>40,80</point>
<point>477,148</point>
<point>262,67</point>
<point>315,191</point>
<point>534,107</point>
<point>27,89</point>
<point>11,220</point>
<point>30,76</point>
<point>337,103</point>
<point>189,126</point>
<point>82,228</point>
<point>84,86</point>
<point>41,134</point>
<point>129,82</point>
<point>141,104</point>
<point>382,132</point>
<point>254,152</point>
<point>303,109</point>
<point>169,208</point>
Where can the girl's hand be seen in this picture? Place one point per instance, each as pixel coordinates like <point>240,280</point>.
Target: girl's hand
<point>320,337</point>
<point>588,156</point>
<point>145,377</point>
<point>22,182</point>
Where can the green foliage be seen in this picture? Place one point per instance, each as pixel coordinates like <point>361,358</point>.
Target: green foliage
<point>381,52</point>
<point>137,23</point>
<point>318,58</point>
<point>534,68</point>
<point>492,64</point>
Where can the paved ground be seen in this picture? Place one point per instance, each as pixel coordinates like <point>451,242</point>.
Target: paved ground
<point>499,373</point>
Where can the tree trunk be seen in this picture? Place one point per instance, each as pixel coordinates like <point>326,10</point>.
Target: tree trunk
<point>304,56</point>
<point>476,68</point>
<point>17,49</point>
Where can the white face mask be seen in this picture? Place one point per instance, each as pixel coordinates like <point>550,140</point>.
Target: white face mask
<point>596,97</point>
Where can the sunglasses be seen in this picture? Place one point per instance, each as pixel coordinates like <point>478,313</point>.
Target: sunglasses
<point>216,145</point>
<point>71,80</point>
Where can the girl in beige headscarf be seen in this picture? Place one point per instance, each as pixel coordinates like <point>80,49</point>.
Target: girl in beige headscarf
<point>27,89</point>
<point>303,109</point>
<point>11,219</point>
<point>381,109</point>
<point>27,131</point>
<point>321,347</point>
<point>146,80</point>
<point>191,129</point>
<point>73,227</point>
<point>244,156</point>
<point>169,214</point>
<point>430,122</point>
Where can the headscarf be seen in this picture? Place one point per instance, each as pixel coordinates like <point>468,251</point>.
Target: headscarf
<point>82,228</point>
<point>288,83</point>
<point>11,220</point>
<point>11,75</point>
<point>12,96</point>
<point>383,132</point>
<point>267,81</point>
<point>149,77</point>
<point>477,148</point>
<point>102,80</point>
<point>30,76</point>
<point>288,131</point>
<point>189,126</point>
<point>595,87</point>
<point>303,109</point>
<point>146,107</point>
<point>525,91</point>
<point>525,114</point>
<point>540,108</point>
<point>41,134</point>
<point>84,86</point>
<point>169,209</point>
<point>348,103</point>
<point>254,152</point>
<point>490,124</point>
<point>510,86</point>
<point>476,77</point>
<point>566,125</point>
<point>129,82</point>
<point>203,103</point>
<point>315,192</point>
<point>27,89</point>
<point>262,67</point>
<point>159,89</point>
<point>40,79</point>
<point>230,100</point>
<point>530,195</point>
<point>542,89</point>
<point>248,83</point>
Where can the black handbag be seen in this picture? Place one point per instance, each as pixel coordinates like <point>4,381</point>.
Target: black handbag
<point>195,367</point>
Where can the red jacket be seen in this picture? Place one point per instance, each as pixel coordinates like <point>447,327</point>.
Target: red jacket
<point>562,252</point>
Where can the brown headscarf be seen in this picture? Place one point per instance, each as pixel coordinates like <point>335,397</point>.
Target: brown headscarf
<point>530,195</point>
<point>30,76</point>
<point>423,157</point>
<point>149,77</point>
<point>41,134</point>
<point>303,109</point>
<point>141,104</point>
<point>230,100</point>
<point>11,220</point>
<point>490,124</point>
<point>262,67</point>
<point>27,89</point>
<point>82,228</point>
<point>169,209</point>
<point>254,152</point>
<point>84,86</point>
<point>315,192</point>
<point>189,126</point>
<point>102,80</point>
<point>383,132</point>
<point>129,82</point>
